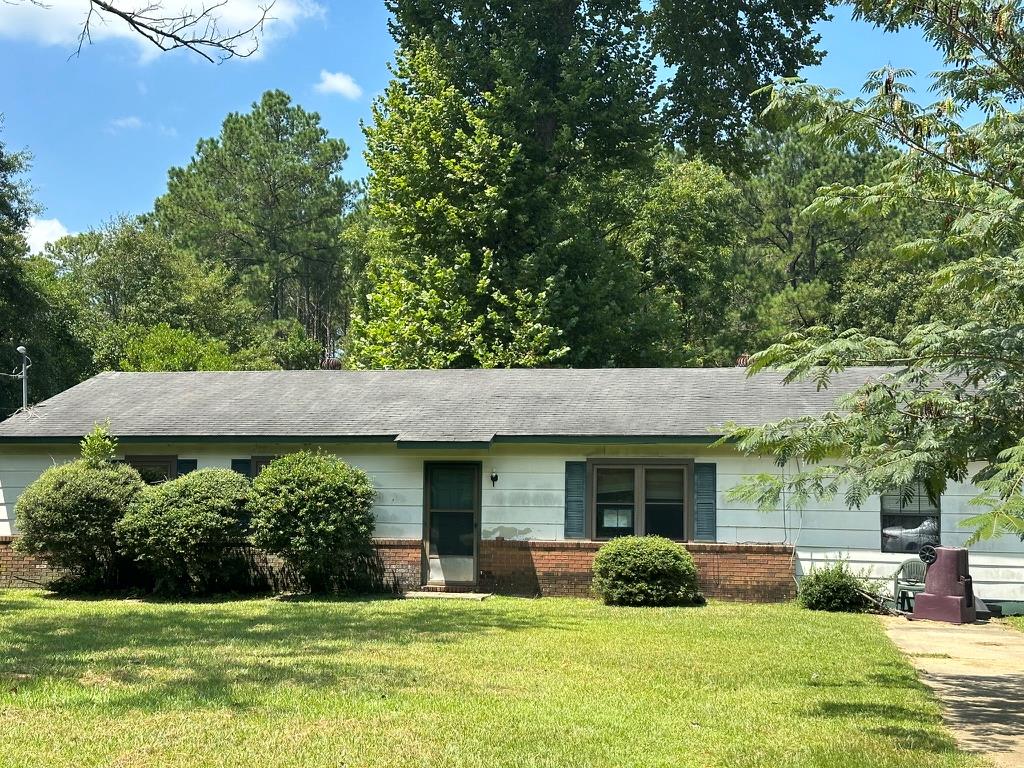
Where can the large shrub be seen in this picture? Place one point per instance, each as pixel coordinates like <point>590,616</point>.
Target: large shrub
<point>646,570</point>
<point>185,532</point>
<point>835,588</point>
<point>68,516</point>
<point>314,510</point>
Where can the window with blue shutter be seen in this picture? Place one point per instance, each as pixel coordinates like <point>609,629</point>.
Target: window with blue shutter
<point>242,466</point>
<point>575,499</point>
<point>705,513</point>
<point>187,465</point>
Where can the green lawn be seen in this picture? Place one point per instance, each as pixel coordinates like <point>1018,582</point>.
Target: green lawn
<point>1017,621</point>
<point>506,682</point>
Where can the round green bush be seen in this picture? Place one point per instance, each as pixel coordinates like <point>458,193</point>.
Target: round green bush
<point>183,531</point>
<point>646,570</point>
<point>68,516</point>
<point>835,588</point>
<point>314,511</point>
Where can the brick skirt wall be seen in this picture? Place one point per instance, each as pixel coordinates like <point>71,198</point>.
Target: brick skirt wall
<point>18,570</point>
<point>759,572</point>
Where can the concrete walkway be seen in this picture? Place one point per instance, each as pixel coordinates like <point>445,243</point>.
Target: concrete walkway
<point>977,672</point>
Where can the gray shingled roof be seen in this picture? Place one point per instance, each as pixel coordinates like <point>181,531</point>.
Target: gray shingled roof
<point>425,406</point>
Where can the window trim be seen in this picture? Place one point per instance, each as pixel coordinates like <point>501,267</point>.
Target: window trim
<point>639,518</point>
<point>882,514</point>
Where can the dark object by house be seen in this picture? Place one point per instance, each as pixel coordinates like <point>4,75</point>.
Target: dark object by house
<point>948,591</point>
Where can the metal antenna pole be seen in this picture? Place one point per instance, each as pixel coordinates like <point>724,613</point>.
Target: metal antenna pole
<point>24,377</point>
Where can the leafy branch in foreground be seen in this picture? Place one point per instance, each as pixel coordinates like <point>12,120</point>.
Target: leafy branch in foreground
<point>947,402</point>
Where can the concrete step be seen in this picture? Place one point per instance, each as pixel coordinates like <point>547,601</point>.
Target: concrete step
<point>436,595</point>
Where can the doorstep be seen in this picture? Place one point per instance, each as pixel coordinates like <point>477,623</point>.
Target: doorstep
<point>446,595</point>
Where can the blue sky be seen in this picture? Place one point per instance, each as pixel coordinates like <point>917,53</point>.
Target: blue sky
<point>105,126</point>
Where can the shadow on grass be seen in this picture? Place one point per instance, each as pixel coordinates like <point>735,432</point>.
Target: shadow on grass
<point>231,654</point>
<point>909,728</point>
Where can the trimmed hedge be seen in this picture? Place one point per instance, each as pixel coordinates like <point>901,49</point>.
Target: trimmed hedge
<point>183,532</point>
<point>68,516</point>
<point>314,511</point>
<point>646,570</point>
<point>835,588</point>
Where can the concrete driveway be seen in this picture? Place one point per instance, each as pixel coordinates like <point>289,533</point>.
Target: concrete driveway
<point>977,672</point>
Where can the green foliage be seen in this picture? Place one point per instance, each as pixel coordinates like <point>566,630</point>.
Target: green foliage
<point>718,56</point>
<point>265,201</point>
<point>182,532</point>
<point>162,348</point>
<point>128,277</point>
<point>314,510</point>
<point>437,299</point>
<point>498,236</point>
<point>99,446</point>
<point>684,236</point>
<point>952,405</point>
<point>801,267</point>
<point>562,72</point>
<point>68,515</point>
<point>646,570</point>
<point>835,588</point>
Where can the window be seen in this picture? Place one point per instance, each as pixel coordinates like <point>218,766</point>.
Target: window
<point>252,466</point>
<point>649,498</point>
<point>909,521</point>
<point>259,462</point>
<point>615,501</point>
<point>154,469</point>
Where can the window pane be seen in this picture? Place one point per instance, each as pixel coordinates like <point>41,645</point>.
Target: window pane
<point>451,533</point>
<point>908,533</point>
<point>452,487</point>
<point>154,471</point>
<point>614,492</point>
<point>908,523</point>
<point>894,503</point>
<point>664,502</point>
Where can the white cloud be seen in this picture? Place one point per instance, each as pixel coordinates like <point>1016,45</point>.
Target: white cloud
<point>43,231</point>
<point>59,22</point>
<point>129,123</point>
<point>136,123</point>
<point>338,82</point>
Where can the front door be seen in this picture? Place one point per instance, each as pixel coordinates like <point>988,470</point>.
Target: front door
<point>452,512</point>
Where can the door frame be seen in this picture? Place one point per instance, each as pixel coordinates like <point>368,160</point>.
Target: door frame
<point>477,494</point>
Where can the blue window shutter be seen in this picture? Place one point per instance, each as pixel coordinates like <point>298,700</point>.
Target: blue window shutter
<point>575,499</point>
<point>705,517</point>
<point>242,466</point>
<point>187,465</point>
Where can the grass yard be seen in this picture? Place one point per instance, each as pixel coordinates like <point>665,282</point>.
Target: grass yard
<point>1017,621</point>
<point>506,682</point>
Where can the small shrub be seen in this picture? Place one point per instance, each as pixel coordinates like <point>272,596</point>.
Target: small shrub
<point>835,588</point>
<point>99,447</point>
<point>68,516</point>
<point>314,510</point>
<point>646,570</point>
<point>183,532</point>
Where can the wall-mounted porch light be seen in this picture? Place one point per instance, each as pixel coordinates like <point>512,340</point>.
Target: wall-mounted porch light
<point>494,478</point>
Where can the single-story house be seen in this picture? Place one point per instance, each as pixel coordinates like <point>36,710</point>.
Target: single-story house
<point>510,480</point>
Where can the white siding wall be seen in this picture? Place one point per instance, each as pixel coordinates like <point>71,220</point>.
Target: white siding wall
<point>528,501</point>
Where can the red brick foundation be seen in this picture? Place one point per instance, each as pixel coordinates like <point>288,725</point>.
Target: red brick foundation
<point>19,570</point>
<point>400,561</point>
<point>759,572</point>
